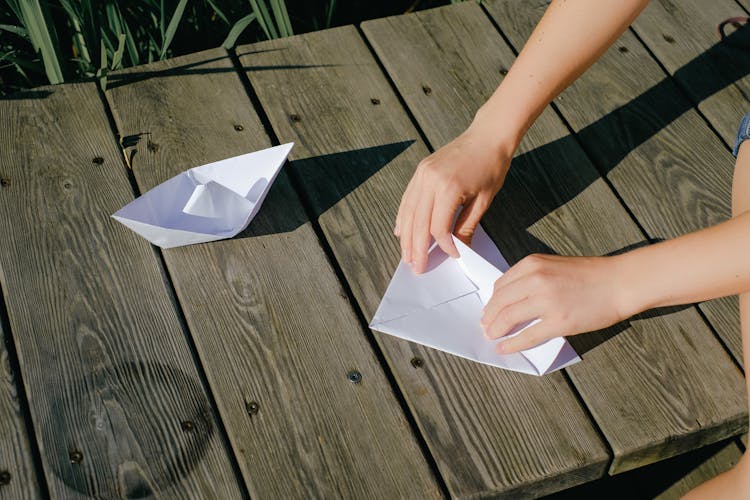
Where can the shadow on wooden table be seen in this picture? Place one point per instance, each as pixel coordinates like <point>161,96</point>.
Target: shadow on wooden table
<point>668,479</point>
<point>323,181</point>
<point>544,179</point>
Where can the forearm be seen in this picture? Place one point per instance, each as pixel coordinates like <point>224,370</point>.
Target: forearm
<point>698,266</point>
<point>570,36</point>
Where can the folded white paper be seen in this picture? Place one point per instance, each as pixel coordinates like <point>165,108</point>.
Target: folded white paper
<point>442,307</point>
<point>207,203</point>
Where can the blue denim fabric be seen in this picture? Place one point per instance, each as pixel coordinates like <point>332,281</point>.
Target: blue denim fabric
<point>742,134</point>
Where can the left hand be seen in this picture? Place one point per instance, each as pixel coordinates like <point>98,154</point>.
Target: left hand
<point>570,295</point>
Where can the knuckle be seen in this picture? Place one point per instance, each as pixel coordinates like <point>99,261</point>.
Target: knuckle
<point>426,165</point>
<point>534,261</point>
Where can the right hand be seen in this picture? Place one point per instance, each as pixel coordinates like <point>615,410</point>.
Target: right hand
<point>468,172</point>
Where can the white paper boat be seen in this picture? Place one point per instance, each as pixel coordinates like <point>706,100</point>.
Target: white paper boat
<point>207,203</point>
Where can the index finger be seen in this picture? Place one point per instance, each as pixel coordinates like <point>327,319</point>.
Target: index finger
<point>440,226</point>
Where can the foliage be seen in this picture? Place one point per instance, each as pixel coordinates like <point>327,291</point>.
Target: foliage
<point>51,41</point>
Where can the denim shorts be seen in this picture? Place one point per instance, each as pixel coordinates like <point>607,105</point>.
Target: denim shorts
<point>742,134</point>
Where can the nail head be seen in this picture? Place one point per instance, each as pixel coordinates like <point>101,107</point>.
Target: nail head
<point>98,160</point>
<point>417,362</point>
<point>503,71</point>
<point>375,101</point>
<point>238,127</point>
<point>76,456</point>
<point>187,425</point>
<point>668,39</point>
<point>427,90</point>
<point>354,377</point>
<point>623,49</point>
<point>295,117</point>
<point>4,181</point>
<point>251,407</point>
<point>4,477</point>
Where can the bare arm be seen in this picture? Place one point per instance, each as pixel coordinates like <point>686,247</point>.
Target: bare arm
<point>579,294</point>
<point>471,169</point>
<point>699,266</point>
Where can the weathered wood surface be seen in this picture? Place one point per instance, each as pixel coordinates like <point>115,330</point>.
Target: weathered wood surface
<point>642,133</point>
<point>18,477</point>
<point>716,76</point>
<point>270,320</point>
<point>667,480</point>
<point>490,431</point>
<point>670,386</point>
<point>108,373</point>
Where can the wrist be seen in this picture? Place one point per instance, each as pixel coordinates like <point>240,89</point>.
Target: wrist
<point>630,290</point>
<point>495,134</point>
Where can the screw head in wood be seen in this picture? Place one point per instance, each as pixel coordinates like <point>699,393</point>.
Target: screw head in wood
<point>187,425</point>
<point>4,477</point>
<point>354,377</point>
<point>98,160</point>
<point>417,362</point>
<point>503,71</point>
<point>375,101</point>
<point>251,407</point>
<point>4,181</point>
<point>238,127</point>
<point>427,90</point>
<point>76,456</point>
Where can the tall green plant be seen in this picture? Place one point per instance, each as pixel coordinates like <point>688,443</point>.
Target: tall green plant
<point>55,40</point>
<point>41,33</point>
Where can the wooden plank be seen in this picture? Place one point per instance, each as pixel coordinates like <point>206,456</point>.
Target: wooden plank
<point>555,201</point>
<point>18,478</point>
<point>718,460</point>
<point>716,76</point>
<point>642,133</point>
<point>490,431</point>
<point>700,194</point>
<point>670,479</point>
<point>115,398</point>
<point>270,320</point>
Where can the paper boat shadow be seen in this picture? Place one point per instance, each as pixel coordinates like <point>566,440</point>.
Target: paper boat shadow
<point>322,182</point>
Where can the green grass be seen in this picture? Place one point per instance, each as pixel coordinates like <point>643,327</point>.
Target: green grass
<point>53,41</point>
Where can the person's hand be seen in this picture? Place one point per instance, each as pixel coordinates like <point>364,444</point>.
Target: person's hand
<point>466,172</point>
<point>570,295</point>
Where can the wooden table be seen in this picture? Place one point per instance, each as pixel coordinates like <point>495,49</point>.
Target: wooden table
<point>245,366</point>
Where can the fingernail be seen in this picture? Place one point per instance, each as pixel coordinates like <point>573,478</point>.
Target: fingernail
<point>395,231</point>
<point>500,348</point>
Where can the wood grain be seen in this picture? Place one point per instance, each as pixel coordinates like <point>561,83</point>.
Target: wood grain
<point>108,373</point>
<point>716,76</point>
<point>666,480</point>
<point>641,123</point>
<point>491,432</point>
<point>642,133</point>
<point>657,386</point>
<point>272,324</point>
<point>18,478</point>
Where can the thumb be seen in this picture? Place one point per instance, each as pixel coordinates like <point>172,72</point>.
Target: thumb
<point>528,338</point>
<point>469,218</point>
